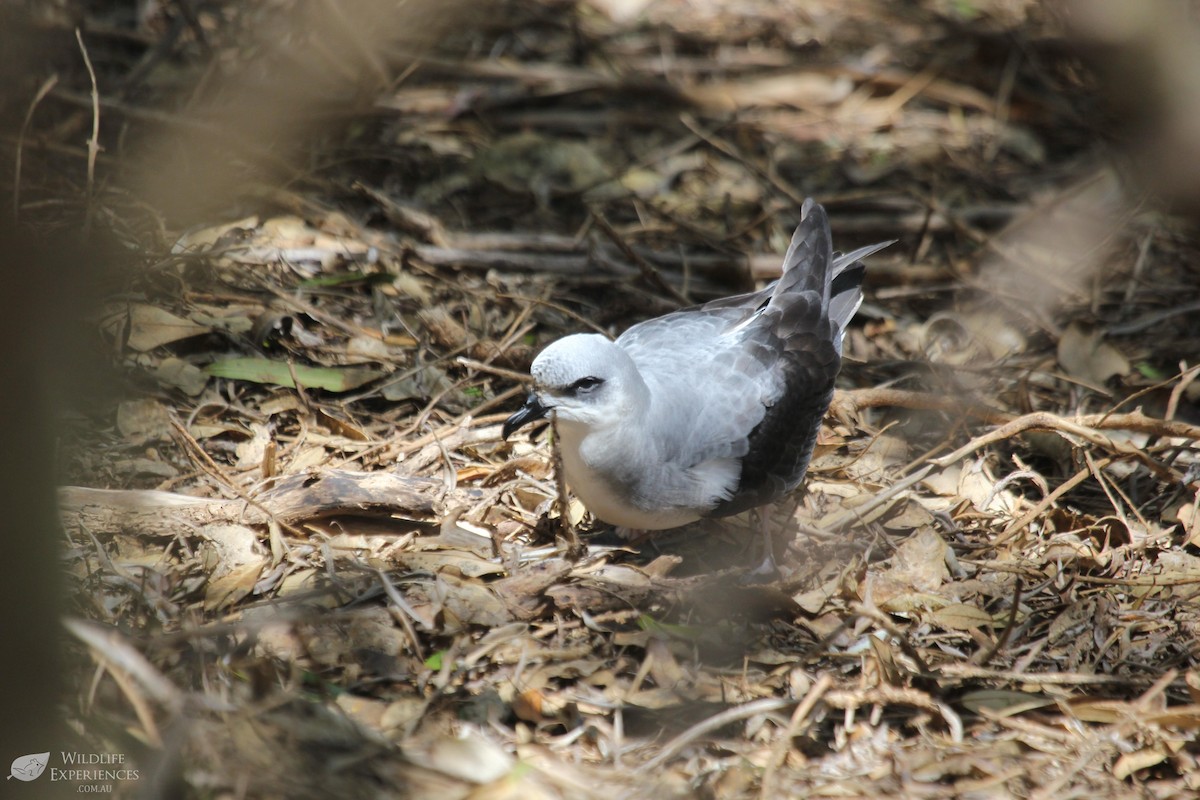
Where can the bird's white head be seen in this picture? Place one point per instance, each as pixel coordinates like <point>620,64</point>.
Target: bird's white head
<point>586,380</point>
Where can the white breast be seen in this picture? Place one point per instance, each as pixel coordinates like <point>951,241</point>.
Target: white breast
<point>676,502</point>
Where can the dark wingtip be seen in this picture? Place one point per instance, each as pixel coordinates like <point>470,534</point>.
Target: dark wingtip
<point>848,279</point>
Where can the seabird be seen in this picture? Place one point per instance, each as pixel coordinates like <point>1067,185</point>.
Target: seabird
<point>710,410</point>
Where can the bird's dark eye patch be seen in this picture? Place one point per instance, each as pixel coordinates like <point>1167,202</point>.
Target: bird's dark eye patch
<point>584,385</point>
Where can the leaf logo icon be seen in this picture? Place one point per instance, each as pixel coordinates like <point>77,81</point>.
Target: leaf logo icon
<point>30,767</point>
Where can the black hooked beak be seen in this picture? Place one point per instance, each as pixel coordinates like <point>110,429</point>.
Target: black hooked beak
<point>532,411</point>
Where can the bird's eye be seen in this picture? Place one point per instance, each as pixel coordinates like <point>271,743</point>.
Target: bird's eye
<point>585,384</point>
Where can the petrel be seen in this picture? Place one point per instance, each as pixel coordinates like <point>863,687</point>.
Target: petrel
<point>706,411</point>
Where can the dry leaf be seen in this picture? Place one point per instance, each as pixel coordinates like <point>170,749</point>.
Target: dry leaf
<point>1192,679</point>
<point>471,758</point>
<point>1004,702</point>
<point>961,617</point>
<point>250,452</point>
<point>142,421</point>
<point>204,238</point>
<point>151,327</point>
<point>232,586</point>
<point>471,602</point>
<point>620,10</point>
<point>1088,357</point>
<point>1188,515</point>
<point>1130,763</point>
<point>188,378</point>
<point>801,89</point>
<point>920,561</point>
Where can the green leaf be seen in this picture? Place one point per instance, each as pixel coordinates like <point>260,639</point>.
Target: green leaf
<point>434,662</point>
<point>1150,371</point>
<point>279,373</point>
<point>966,9</point>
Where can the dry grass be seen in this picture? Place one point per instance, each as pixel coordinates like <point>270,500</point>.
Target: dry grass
<point>304,564</point>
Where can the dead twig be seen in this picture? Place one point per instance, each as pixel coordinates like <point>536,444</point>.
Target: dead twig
<point>885,695</point>
<point>42,91</point>
<point>859,399</point>
<point>780,750</point>
<point>884,621</point>
<point>841,518</point>
<point>649,273</point>
<point>1043,420</point>
<point>1185,380</point>
<point>713,723</point>
<point>963,671</point>
<point>94,140</point>
<point>575,549</point>
<point>1049,500</point>
<point>983,657</point>
<point>130,669</point>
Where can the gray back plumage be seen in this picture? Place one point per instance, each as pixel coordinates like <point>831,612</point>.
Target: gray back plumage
<point>751,376</point>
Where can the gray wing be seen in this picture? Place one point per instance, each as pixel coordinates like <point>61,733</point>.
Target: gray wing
<point>709,390</point>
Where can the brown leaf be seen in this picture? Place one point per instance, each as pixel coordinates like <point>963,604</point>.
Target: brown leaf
<point>188,378</point>
<point>908,516</point>
<point>961,617</point>
<point>800,89</point>
<point>1192,679</point>
<point>471,602</point>
<point>1088,357</point>
<point>143,420</point>
<point>231,587</point>
<point>235,560</point>
<point>1130,763</point>
<point>1004,702</point>
<point>1189,517</point>
<point>1102,711</point>
<point>151,327</point>
<point>471,758</point>
<point>919,562</point>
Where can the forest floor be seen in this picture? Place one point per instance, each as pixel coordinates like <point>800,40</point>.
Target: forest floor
<point>303,563</point>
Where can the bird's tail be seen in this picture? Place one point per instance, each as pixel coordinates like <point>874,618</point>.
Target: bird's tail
<point>811,265</point>
<point>808,258</point>
<point>845,290</point>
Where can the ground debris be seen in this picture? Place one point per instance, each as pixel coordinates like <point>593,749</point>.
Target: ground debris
<point>303,563</point>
